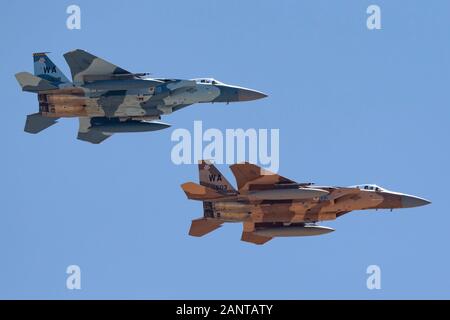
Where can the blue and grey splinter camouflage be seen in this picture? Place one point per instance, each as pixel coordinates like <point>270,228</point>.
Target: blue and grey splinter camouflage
<point>108,99</point>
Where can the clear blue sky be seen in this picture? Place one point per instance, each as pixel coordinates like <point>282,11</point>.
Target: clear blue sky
<point>352,105</point>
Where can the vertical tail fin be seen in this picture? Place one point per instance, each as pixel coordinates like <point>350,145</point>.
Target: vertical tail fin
<point>210,177</point>
<point>45,68</point>
<point>212,185</point>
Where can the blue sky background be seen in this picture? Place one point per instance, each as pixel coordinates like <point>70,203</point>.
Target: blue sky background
<point>353,106</point>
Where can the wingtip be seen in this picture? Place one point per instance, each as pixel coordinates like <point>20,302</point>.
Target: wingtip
<point>70,52</point>
<point>186,185</point>
<point>20,75</point>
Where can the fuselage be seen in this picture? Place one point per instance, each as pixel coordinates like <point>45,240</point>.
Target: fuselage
<point>269,205</point>
<point>337,202</point>
<point>108,99</point>
<point>137,98</point>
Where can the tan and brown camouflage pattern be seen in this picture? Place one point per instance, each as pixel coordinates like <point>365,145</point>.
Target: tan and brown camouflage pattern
<point>222,203</point>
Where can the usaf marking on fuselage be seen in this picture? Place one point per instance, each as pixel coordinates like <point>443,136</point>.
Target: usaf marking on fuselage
<point>270,205</point>
<point>108,99</point>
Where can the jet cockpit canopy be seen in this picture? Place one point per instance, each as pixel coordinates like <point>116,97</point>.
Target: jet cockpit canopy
<point>369,187</point>
<point>208,81</point>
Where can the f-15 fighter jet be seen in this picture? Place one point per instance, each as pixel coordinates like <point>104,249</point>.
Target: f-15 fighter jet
<point>270,205</point>
<point>108,99</point>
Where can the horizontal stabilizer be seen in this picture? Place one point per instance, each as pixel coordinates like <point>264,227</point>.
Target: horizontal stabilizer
<point>36,123</point>
<point>31,83</point>
<point>202,226</point>
<point>195,191</point>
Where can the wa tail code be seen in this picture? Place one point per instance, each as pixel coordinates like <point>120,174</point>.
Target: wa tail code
<point>213,177</point>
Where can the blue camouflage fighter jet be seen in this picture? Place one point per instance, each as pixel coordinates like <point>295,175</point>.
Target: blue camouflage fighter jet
<point>108,99</point>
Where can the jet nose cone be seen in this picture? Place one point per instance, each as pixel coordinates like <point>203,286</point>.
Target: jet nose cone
<point>249,95</point>
<point>411,202</point>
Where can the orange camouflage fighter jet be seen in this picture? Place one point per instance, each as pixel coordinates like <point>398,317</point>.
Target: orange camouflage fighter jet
<point>270,205</point>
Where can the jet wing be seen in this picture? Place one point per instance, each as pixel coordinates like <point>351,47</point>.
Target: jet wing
<point>254,238</point>
<point>93,136</point>
<point>85,133</point>
<point>249,175</point>
<point>86,67</point>
<point>179,106</point>
<point>248,234</point>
